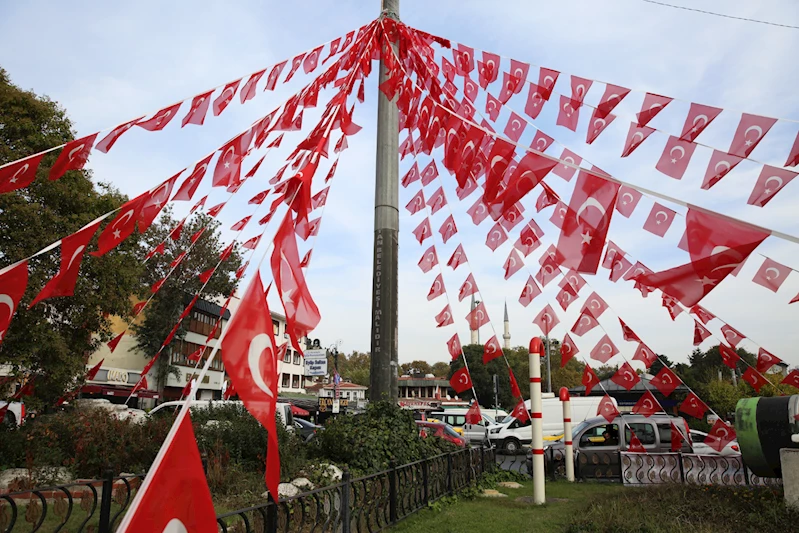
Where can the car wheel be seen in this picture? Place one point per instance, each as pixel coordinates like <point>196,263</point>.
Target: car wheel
<point>512,446</point>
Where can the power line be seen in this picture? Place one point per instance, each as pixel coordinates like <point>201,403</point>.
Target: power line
<point>722,15</point>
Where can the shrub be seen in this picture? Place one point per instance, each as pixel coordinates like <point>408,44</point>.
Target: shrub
<point>368,441</point>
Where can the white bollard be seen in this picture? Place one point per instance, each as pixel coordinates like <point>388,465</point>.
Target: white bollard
<point>536,349</point>
<point>567,432</point>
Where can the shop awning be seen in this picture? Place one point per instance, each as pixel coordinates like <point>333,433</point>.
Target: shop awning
<point>299,411</point>
<point>118,391</point>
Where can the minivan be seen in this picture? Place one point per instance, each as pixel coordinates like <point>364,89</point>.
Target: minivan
<point>474,433</point>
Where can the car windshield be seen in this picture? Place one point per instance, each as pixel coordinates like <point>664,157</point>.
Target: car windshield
<point>489,419</point>
<point>578,428</point>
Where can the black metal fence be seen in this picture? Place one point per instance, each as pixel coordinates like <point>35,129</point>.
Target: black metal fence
<point>364,504</point>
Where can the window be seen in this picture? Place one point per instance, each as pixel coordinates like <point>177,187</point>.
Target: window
<point>603,435</point>
<point>276,327</point>
<point>643,430</point>
<point>285,335</point>
<point>286,379</point>
<point>180,351</point>
<point>456,420</point>
<point>296,358</point>
<point>295,381</point>
<point>203,324</point>
<point>516,424</point>
<point>665,433</point>
<point>697,436</point>
<point>287,356</point>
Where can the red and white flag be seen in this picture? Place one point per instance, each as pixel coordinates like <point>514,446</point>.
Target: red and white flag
<point>274,74</point>
<point>437,288</point>
<point>700,333</point>
<point>595,304</point>
<point>613,95</point>
<point>596,126</point>
<point>429,259</point>
<point>732,335</point>
<point>190,184</point>
<point>198,109</point>
<point>546,320</point>
<point>444,318</point>
<point>645,355</point>
<point>19,174</point>
<point>565,170</point>
<point>646,405</point>
<point>496,237</point>
<point>699,117</point>
<point>121,227</point>
<point>568,116</point>
<point>607,409</point>
<point>454,347</point>
<point>458,258</point>
<point>755,379</point>
<point>721,163</point>
<point>665,381</point>
<point>529,238</point>
<point>107,142</point>
<point>160,120</point>
<point>567,350</point>
<point>227,172</point>
<point>589,379</point>
<point>491,350</point>
<point>478,212</point>
<point>461,381</point>
<point>565,297</point>
<point>765,360</point>
<point>720,435</point>
<point>771,275</point>
<point>729,356</point>
<point>793,155</point>
<point>604,350</point>
<point>520,412</point>
<point>477,317</point>
<point>226,96</point>
<point>653,104</point>
<point>770,181</point>
<point>675,157</point>
<point>72,157</point>
<point>423,231</point>
<point>625,376</point>
<point>515,127</point>
<point>178,472</point>
<point>541,141</point>
<point>659,220</point>
<point>529,292</point>
<point>635,136</point>
<point>584,323</point>
<point>437,201</point>
<point>791,379</point>
<point>429,173</point>
<point>751,130</point>
<point>448,229</point>
<point>251,244</point>
<point>13,282</point>
<point>417,203</point>
<point>513,263</point>
<point>72,249</point>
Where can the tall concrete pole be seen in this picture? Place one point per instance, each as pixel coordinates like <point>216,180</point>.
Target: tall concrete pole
<point>537,426</point>
<point>567,433</point>
<point>385,360</point>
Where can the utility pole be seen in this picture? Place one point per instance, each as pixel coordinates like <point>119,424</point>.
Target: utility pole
<point>549,367</point>
<point>385,359</point>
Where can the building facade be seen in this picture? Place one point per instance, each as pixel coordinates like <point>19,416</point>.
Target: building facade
<point>426,393</point>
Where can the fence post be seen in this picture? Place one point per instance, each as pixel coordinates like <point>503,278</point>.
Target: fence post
<point>449,473</point>
<point>345,501</point>
<point>105,502</point>
<point>682,469</point>
<point>392,491</point>
<point>469,469</point>
<point>425,480</point>
<point>482,460</point>
<point>552,473</point>
<point>271,515</point>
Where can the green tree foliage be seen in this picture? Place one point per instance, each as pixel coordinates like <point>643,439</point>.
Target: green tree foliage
<point>162,313</point>
<point>416,367</point>
<point>568,376</point>
<point>354,367</point>
<point>440,369</point>
<point>51,340</point>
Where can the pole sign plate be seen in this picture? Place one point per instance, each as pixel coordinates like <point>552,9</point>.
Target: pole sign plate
<point>315,362</point>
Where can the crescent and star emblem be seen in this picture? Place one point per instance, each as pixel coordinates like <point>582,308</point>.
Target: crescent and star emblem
<point>75,254</point>
<point>776,273</point>
<point>75,150</point>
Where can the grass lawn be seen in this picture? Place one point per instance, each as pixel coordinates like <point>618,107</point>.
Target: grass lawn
<point>506,515</point>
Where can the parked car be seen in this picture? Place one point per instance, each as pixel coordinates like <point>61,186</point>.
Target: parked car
<point>283,409</point>
<point>15,414</point>
<point>699,446</point>
<point>597,435</point>
<point>582,408</point>
<point>474,433</point>
<point>117,410</point>
<point>306,429</point>
<point>441,430</point>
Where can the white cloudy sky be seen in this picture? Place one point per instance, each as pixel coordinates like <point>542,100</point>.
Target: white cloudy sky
<point>107,63</point>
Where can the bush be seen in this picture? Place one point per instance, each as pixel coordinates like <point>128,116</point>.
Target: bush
<point>368,441</point>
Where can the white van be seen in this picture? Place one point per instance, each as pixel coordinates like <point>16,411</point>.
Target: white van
<point>474,433</point>
<point>511,435</point>
<point>283,409</point>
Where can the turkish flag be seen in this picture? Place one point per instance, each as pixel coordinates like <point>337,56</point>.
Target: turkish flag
<point>227,172</point>
<point>771,275</point>
<point>444,318</point>
<point>549,271</point>
<point>566,171</point>
<point>72,249</point>
<point>791,379</point>
<point>628,333</point>
<point>665,381</point>
<point>13,281</point>
<point>628,200</point>
<point>720,435</point>
<point>477,317</point>
<point>160,120</point>
<point>589,379</point>
<point>596,126</point>
<point>513,263</point>
<point>793,155</point>
<point>613,95</point>
<point>464,59</point>
<point>250,356</point>
<point>721,163</point>
<point>645,355</point>
<point>488,69</point>
<point>470,89</point>
<point>107,142</point>
<point>541,141</point>
<point>437,289</point>
<point>274,74</point>
<point>586,223</point>
<point>302,315</point>
<point>493,107</point>
<point>515,127</point>
<point>437,201</point>
<point>611,252</point>
<point>672,306</point>
<point>604,350</point>
<point>461,380</point>
<point>496,237</point>
<point>546,82</point>
<point>653,104</point>
<point>252,244</point>
<point>529,292</point>
<point>458,258</point>
<point>259,198</point>
<point>411,176</point>
<point>528,173</point>
<point>249,88</point>
<point>423,231</point>
<point>190,184</point>
<point>646,405</point>
<point>635,445</point>
<point>567,350</point>
<point>568,116</point>
<point>121,227</point>
<point>428,260</point>
<point>417,203</point>
<point>732,335</point>
<point>305,228</point>
<point>751,130</point>
<point>520,412</point>
<point>154,201</point>
<point>700,333</point>
<point>429,173</point>
<point>580,88</point>
<point>199,107</point>
<point>319,199</point>
<point>511,218</point>
<point>454,347</point>
<point>770,181</point>
<point>607,409</point>
<point>491,350</point>
<point>565,297</point>
<point>500,157</point>
<point>677,438</point>
<point>535,100</point>
<point>620,267</point>
<point>546,319</point>
<point>295,65</point>
<point>311,60</point>
<point>635,136</point>
<point>226,96</point>
<point>19,174</point>
<point>703,314</point>
<point>625,376</point>
<point>72,157</point>
<point>469,187</point>
<point>448,229</point>
<point>585,323</point>
<point>595,304</point>
<point>546,198</point>
<point>766,360</point>
<point>675,157</point>
<point>755,379</point>
<point>699,117</point>
<point>659,220</point>
<point>528,240</point>
<point>178,472</point>
<point>515,391</point>
<point>573,280</point>
<point>729,356</point>
<point>717,246</point>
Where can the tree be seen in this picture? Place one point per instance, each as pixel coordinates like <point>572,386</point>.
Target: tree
<point>440,369</point>
<point>418,367</point>
<point>162,313</point>
<point>49,342</point>
<point>569,376</point>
